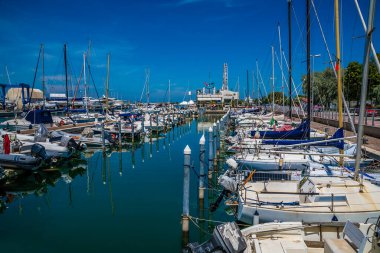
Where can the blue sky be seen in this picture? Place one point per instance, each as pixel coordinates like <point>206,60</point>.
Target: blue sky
<point>184,41</point>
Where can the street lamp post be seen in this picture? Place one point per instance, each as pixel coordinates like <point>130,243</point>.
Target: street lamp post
<point>312,88</point>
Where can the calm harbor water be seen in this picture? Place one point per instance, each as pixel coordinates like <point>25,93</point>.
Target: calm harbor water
<point>128,201</point>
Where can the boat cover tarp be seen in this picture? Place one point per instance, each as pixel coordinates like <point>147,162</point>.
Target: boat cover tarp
<point>298,133</point>
<point>337,135</point>
<point>39,116</point>
<point>77,110</point>
<point>250,110</point>
<point>41,134</point>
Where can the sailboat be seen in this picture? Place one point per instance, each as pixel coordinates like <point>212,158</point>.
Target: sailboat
<point>322,195</point>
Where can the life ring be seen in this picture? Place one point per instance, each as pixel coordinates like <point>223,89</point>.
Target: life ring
<point>113,136</point>
<point>61,123</point>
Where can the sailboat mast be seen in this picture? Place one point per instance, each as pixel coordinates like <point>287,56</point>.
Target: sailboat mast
<point>282,74</point>
<point>363,93</point>
<point>147,76</point>
<point>339,72</point>
<point>258,84</point>
<point>272,81</point>
<point>67,90</point>
<point>253,86</point>
<point>247,88</point>
<point>290,56</point>
<point>43,77</point>
<point>308,65</point>
<point>169,93</point>
<point>85,83</point>
<point>107,80</point>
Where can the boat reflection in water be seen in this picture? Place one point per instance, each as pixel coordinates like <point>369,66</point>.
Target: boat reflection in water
<point>37,183</point>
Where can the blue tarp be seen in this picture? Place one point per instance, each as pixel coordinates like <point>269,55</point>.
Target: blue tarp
<point>338,134</point>
<point>298,133</point>
<point>77,110</point>
<point>39,116</point>
<point>251,110</point>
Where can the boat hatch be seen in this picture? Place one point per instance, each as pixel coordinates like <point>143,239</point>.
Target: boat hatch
<point>329,198</point>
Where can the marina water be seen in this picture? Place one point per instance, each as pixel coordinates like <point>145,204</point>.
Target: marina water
<point>129,201</point>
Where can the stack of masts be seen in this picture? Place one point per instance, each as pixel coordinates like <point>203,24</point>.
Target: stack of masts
<point>260,155</point>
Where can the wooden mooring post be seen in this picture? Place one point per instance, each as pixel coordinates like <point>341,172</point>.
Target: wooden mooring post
<point>103,138</point>
<point>120,136</point>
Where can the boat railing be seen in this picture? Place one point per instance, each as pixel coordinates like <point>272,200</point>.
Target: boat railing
<point>331,200</point>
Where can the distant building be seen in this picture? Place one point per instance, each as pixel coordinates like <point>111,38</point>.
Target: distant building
<point>209,94</point>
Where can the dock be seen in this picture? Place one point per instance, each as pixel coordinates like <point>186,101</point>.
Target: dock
<point>69,128</point>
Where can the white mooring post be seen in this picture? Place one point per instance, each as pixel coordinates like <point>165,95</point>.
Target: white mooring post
<point>210,152</point>
<point>202,142</point>
<point>186,190</point>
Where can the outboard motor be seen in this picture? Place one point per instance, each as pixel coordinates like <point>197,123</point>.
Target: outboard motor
<point>55,136</point>
<point>39,151</point>
<point>70,143</point>
<point>226,238</point>
<point>67,141</point>
<point>41,133</point>
<point>108,137</point>
<point>228,183</point>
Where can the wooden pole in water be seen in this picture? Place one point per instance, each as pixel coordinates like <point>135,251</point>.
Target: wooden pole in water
<point>142,123</point>
<point>186,191</point>
<point>210,153</point>
<point>150,125</point>
<point>202,142</point>
<point>103,137</point>
<point>120,139</point>
<point>133,130</point>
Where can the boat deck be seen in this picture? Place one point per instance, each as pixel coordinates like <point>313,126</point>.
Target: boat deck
<point>69,128</point>
<point>347,197</point>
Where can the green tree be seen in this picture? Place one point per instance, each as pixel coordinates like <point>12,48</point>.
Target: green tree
<point>324,87</point>
<point>374,82</point>
<point>277,97</point>
<point>353,81</point>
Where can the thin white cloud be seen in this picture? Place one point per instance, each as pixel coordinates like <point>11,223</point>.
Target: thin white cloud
<point>184,2</point>
<point>55,78</point>
<point>226,3</point>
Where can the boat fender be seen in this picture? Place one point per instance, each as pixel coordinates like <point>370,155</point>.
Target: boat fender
<point>256,218</point>
<point>6,144</point>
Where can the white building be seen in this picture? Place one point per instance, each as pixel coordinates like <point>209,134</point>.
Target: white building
<point>223,96</point>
